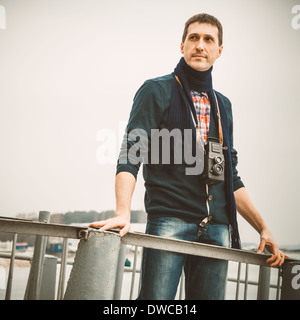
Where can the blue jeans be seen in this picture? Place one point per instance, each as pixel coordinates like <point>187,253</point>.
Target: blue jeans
<point>205,278</point>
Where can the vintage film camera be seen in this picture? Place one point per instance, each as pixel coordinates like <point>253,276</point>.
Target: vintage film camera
<point>214,164</point>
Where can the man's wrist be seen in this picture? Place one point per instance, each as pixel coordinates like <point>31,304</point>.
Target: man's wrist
<point>123,213</point>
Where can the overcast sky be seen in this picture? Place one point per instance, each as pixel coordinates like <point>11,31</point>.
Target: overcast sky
<point>69,70</point>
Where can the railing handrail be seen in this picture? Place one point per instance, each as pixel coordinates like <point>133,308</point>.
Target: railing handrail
<point>105,250</point>
<point>21,226</point>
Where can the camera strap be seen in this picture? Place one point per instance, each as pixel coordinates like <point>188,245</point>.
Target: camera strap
<point>219,120</point>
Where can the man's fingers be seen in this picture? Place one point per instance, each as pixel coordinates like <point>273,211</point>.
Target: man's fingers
<point>107,226</point>
<point>276,259</point>
<point>98,223</point>
<point>267,241</point>
<point>261,246</point>
<point>281,260</point>
<point>113,223</point>
<point>124,230</point>
<point>272,258</point>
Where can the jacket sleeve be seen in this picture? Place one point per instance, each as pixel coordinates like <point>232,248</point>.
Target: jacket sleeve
<point>237,181</point>
<point>146,113</point>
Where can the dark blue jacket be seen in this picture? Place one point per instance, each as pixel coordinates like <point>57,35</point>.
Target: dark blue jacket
<point>169,191</point>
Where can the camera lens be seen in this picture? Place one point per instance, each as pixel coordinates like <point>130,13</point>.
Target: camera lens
<point>218,159</point>
<point>217,169</point>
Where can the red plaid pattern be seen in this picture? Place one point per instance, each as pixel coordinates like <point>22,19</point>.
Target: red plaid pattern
<point>202,107</point>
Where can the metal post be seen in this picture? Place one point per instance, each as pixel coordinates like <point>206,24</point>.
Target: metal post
<point>238,281</point>
<point>62,274</point>
<point>133,273</point>
<point>48,281</point>
<point>246,281</point>
<point>264,283</point>
<point>35,275</point>
<point>278,286</point>
<point>11,269</point>
<point>290,289</point>
<point>93,275</point>
<point>120,272</point>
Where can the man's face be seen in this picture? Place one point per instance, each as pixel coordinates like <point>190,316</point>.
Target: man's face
<point>201,46</point>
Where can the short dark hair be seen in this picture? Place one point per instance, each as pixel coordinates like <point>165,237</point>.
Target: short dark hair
<point>204,18</point>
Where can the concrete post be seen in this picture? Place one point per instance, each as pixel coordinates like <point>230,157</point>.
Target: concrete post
<point>93,275</point>
<point>290,289</point>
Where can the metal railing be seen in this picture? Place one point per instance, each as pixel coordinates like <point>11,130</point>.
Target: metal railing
<point>104,253</point>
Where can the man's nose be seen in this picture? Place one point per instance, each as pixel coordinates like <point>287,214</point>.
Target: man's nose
<point>200,44</point>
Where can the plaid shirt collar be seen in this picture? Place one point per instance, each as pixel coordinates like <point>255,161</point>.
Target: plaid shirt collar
<point>202,107</point>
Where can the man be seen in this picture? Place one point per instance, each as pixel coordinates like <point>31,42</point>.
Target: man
<point>179,205</point>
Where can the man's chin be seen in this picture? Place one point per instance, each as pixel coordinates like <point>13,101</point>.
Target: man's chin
<point>199,65</point>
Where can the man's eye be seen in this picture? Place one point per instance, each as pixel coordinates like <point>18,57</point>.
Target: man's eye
<point>209,39</point>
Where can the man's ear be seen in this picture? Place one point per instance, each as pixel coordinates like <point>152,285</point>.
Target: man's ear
<point>220,51</point>
<point>182,48</point>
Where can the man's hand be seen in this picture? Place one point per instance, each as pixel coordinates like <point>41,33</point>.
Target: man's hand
<point>124,185</point>
<point>247,210</point>
<point>267,241</point>
<point>115,222</point>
